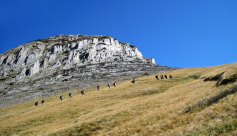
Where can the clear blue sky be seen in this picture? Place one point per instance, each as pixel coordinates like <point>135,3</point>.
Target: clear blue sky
<point>176,33</point>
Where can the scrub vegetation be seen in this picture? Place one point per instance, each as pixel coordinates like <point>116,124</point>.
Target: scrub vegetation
<point>196,101</point>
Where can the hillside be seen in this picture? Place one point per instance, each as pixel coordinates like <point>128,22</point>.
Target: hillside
<point>196,101</point>
<point>62,63</point>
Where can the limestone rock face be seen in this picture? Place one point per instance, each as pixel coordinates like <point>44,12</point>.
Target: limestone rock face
<point>61,63</point>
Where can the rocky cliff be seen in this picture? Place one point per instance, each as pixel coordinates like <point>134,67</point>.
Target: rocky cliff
<point>67,62</point>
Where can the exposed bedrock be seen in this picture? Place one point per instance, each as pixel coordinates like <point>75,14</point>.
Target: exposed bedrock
<point>67,62</point>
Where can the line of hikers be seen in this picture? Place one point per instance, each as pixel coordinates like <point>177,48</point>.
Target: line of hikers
<point>115,84</point>
<point>36,103</point>
<point>162,77</point>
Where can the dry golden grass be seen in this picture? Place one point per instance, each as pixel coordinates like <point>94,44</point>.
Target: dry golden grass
<point>149,107</point>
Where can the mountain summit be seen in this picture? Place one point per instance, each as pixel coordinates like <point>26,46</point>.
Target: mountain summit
<point>67,62</point>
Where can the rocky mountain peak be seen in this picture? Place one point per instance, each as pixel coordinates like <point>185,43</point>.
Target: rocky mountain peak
<point>64,51</point>
<point>38,66</point>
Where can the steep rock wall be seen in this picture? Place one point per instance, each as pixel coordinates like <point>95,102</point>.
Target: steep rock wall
<point>60,51</point>
<point>47,66</point>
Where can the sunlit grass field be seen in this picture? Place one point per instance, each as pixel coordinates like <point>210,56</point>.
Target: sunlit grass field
<point>196,101</point>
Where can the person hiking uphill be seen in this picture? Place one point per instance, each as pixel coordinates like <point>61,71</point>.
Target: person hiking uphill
<point>61,97</point>
<point>82,92</point>
<point>42,102</point>
<point>165,76</point>
<point>115,84</point>
<point>161,77</point>
<point>70,94</point>
<point>109,85</point>
<point>157,77</point>
<point>36,103</point>
<point>98,87</point>
<point>133,81</point>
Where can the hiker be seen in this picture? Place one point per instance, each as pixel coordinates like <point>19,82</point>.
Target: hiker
<point>161,77</point>
<point>42,102</point>
<point>61,97</point>
<point>70,94</point>
<point>133,81</point>
<point>98,87</point>
<point>109,85</point>
<point>82,92</point>
<point>36,103</point>
<point>165,76</point>
<point>114,84</point>
<point>157,77</point>
<point>170,76</point>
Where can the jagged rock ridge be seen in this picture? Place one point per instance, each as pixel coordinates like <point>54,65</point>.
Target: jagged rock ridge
<point>66,62</point>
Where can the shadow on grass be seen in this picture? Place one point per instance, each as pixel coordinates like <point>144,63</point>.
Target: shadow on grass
<point>202,103</point>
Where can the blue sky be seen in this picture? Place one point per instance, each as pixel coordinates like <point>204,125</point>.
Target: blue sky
<point>176,33</point>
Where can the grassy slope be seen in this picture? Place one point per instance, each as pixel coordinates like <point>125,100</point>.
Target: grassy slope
<point>150,107</point>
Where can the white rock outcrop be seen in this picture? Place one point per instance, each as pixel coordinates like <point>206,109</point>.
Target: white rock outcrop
<point>61,51</point>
